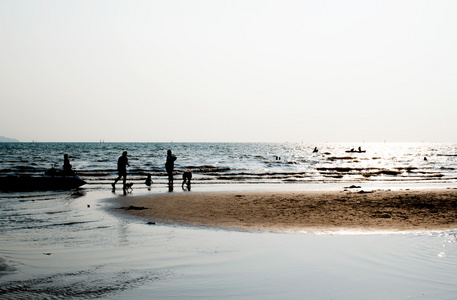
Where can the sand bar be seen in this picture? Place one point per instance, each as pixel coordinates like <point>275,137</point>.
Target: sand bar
<point>309,211</point>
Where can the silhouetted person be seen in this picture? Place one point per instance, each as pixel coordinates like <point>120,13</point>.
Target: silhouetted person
<point>67,170</point>
<point>148,181</point>
<point>186,177</point>
<point>122,164</point>
<point>169,166</point>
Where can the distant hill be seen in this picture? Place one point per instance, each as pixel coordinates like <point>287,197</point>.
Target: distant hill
<point>7,140</point>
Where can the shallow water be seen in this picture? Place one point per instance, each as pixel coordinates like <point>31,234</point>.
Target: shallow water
<point>74,245</point>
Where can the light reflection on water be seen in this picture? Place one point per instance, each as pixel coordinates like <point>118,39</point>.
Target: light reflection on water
<point>240,162</point>
<point>101,254</point>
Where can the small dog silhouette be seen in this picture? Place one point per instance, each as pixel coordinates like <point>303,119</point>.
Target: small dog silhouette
<point>128,187</point>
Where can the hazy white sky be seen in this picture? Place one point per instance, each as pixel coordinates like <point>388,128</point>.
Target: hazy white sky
<point>235,71</point>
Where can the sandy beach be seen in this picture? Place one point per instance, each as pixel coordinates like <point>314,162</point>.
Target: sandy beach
<point>309,211</point>
<point>68,246</point>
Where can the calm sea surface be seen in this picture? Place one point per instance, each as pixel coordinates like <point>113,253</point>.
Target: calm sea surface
<point>77,245</point>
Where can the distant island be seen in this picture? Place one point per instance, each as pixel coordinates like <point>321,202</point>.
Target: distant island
<point>7,140</point>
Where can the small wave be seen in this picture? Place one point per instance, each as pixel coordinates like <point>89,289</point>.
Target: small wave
<point>341,158</point>
<point>207,169</point>
<point>87,284</point>
<point>93,174</point>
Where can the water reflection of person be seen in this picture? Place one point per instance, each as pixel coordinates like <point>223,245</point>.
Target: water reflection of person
<point>186,176</point>
<point>169,166</point>
<point>122,164</point>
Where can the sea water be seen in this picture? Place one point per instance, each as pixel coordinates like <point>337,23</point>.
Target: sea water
<point>77,245</point>
<point>240,162</point>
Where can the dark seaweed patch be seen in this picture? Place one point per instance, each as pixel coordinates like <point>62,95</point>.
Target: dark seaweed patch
<point>131,207</point>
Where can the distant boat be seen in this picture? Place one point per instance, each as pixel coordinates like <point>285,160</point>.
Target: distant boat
<point>40,183</point>
<point>356,151</point>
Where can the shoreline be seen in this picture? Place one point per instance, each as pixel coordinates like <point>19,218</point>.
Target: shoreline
<point>352,210</point>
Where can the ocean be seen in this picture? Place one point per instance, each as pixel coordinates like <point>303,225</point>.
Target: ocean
<point>252,163</point>
<point>76,245</point>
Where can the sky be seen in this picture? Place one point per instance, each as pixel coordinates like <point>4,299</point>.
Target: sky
<point>228,71</point>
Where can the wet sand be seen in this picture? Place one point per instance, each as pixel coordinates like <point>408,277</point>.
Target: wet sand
<point>309,211</point>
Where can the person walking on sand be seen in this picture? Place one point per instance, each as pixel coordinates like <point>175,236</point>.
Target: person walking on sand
<point>122,164</point>
<point>169,166</point>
